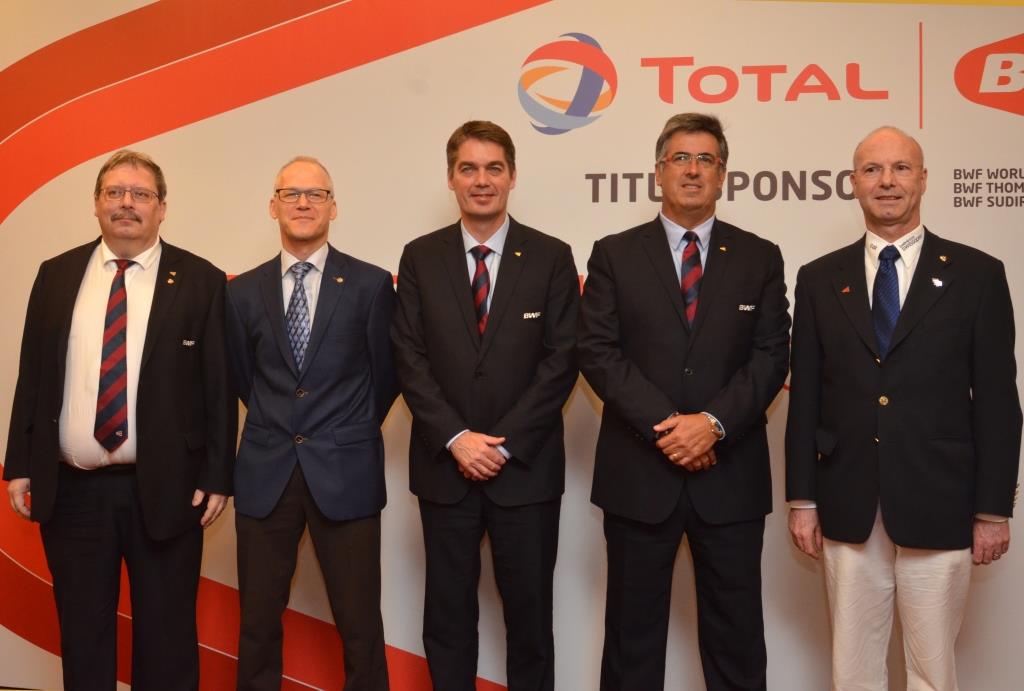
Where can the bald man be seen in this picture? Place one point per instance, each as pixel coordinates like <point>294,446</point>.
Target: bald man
<point>904,427</point>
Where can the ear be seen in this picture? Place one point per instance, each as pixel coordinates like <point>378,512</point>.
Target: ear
<point>273,209</point>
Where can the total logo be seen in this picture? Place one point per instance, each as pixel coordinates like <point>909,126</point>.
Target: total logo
<point>993,75</point>
<point>579,74</point>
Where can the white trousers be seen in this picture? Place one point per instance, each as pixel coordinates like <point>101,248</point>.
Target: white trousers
<point>929,588</point>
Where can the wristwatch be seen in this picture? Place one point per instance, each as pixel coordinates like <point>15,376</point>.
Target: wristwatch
<point>716,426</point>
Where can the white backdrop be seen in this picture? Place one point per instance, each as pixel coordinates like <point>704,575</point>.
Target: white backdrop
<point>381,129</point>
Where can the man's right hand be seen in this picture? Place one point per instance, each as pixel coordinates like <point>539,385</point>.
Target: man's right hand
<point>806,531</point>
<point>19,490</point>
<point>477,455</point>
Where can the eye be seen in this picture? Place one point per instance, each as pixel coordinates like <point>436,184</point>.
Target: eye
<point>495,169</point>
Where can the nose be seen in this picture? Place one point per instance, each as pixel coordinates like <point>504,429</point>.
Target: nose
<point>303,201</point>
<point>887,178</point>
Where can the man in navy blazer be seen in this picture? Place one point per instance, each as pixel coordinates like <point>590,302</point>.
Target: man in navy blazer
<point>683,333</point>
<point>484,333</point>
<point>311,360</point>
<point>904,429</point>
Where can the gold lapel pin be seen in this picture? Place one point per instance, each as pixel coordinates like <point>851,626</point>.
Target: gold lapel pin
<point>943,258</point>
<point>518,253</point>
<point>173,273</point>
<point>723,248</point>
<point>170,281</point>
<point>339,279</point>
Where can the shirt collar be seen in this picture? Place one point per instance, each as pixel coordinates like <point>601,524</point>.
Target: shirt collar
<point>909,246</point>
<point>675,232</point>
<point>318,259</point>
<point>496,243</point>
<point>143,259</point>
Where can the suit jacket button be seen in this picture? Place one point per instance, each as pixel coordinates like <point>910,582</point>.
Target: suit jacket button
<point>299,439</point>
<point>299,393</point>
<point>883,400</point>
<point>876,440</point>
<point>878,361</point>
<point>688,371</point>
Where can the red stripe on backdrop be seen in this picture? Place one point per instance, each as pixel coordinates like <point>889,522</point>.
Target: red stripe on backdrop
<point>69,92</point>
<point>96,56</point>
<point>224,77</point>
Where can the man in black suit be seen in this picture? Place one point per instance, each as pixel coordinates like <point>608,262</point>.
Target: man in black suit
<point>123,431</point>
<point>904,427</point>
<point>683,333</point>
<point>308,333</point>
<point>483,337</point>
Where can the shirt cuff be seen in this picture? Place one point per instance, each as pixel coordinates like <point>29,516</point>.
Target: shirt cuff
<point>803,504</point>
<point>991,518</point>
<point>504,452</point>
<point>452,440</point>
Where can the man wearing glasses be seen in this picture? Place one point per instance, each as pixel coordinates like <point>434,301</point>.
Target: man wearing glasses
<point>684,334</point>
<point>903,437</point>
<point>311,361</point>
<point>123,430</point>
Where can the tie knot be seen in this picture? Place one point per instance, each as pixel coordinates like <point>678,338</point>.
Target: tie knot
<point>123,264</point>
<point>300,269</point>
<point>889,254</point>
<point>480,252</point>
<point>690,236</point>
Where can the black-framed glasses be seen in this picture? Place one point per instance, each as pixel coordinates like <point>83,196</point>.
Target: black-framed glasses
<point>682,159</point>
<point>315,195</point>
<point>140,195</point>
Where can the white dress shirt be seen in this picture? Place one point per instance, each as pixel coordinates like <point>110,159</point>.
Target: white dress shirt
<point>78,444</point>
<point>310,282</point>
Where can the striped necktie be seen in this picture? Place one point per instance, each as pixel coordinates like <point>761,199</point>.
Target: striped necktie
<point>690,273</point>
<point>111,428</point>
<point>481,285</point>
<point>297,316</point>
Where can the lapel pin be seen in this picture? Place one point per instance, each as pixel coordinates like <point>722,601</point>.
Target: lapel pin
<point>518,253</point>
<point>173,273</point>
<point>937,282</point>
<point>170,281</point>
<point>339,279</point>
<point>845,290</point>
<point>723,248</point>
<point>943,258</point>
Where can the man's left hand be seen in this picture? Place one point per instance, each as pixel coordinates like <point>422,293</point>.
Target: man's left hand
<point>687,438</point>
<point>214,506</point>
<point>991,541</point>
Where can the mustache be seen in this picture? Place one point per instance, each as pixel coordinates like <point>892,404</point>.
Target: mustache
<point>126,213</point>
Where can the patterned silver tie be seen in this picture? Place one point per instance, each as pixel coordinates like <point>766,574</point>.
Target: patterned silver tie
<point>297,316</point>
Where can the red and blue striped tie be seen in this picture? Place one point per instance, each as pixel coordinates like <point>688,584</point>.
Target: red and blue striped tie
<point>690,273</point>
<point>481,285</point>
<point>112,402</point>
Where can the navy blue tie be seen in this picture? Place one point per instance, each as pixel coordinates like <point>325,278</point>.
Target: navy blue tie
<point>297,316</point>
<point>885,302</point>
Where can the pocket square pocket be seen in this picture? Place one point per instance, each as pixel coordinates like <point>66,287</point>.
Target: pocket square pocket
<point>747,308</point>
<point>531,315</point>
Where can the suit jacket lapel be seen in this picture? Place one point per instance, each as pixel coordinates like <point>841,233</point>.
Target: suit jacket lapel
<point>931,281</point>
<point>331,289</point>
<point>513,260</point>
<point>851,288</point>
<point>273,300</point>
<point>454,257</point>
<point>655,244</point>
<point>715,267</point>
<point>164,294</point>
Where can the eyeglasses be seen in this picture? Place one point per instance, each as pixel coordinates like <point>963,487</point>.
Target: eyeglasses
<point>290,195</point>
<point>140,195</point>
<point>682,160</point>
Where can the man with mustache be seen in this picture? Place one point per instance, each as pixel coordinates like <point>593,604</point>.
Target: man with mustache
<point>903,438</point>
<point>123,433</point>
<point>683,333</point>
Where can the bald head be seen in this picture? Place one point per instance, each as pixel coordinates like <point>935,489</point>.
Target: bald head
<point>888,132</point>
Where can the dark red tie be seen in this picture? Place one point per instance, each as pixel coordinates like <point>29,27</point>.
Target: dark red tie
<point>481,285</point>
<point>691,275</point>
<point>112,402</point>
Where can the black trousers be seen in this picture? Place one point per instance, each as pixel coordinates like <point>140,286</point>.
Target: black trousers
<point>349,556</point>
<point>97,523</point>
<point>524,544</point>
<point>727,576</point>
